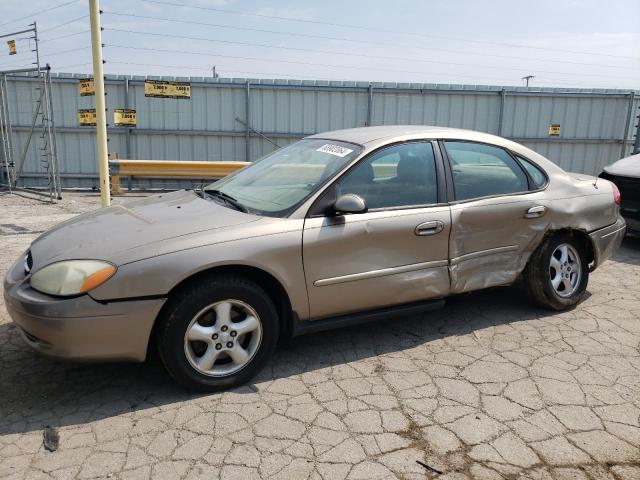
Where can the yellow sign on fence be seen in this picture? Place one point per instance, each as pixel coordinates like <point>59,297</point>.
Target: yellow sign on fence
<point>124,118</point>
<point>87,87</point>
<point>12,47</point>
<point>162,89</point>
<point>87,117</point>
<point>181,90</point>
<point>554,130</point>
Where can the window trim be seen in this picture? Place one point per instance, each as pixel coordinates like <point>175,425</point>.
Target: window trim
<point>449,172</point>
<point>518,158</point>
<point>441,187</point>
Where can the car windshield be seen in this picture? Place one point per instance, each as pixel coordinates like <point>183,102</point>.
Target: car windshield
<point>277,183</point>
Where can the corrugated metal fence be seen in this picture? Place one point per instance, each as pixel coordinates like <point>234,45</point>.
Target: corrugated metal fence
<point>596,126</point>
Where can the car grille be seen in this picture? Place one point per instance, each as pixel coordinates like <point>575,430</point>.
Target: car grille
<point>630,192</point>
<point>28,262</point>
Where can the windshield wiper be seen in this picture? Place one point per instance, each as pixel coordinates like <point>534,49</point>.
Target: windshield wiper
<point>227,199</point>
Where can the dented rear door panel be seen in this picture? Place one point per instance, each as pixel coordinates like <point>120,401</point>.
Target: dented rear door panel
<point>491,239</point>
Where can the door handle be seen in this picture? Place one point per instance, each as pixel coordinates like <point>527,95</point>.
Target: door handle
<point>535,212</point>
<point>429,228</point>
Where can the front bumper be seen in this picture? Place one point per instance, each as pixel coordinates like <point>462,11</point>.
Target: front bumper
<point>79,328</point>
<point>606,241</point>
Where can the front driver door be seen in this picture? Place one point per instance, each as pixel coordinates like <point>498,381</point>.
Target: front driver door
<point>396,252</point>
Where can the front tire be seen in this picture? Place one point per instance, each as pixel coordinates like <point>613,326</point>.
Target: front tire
<point>217,333</point>
<point>558,272</point>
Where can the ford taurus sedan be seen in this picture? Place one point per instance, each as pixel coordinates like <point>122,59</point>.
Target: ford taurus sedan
<point>336,229</point>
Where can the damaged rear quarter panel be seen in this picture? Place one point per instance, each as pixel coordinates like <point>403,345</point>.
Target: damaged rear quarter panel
<point>491,240</point>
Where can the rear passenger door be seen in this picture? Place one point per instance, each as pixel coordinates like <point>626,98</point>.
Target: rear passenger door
<point>498,215</point>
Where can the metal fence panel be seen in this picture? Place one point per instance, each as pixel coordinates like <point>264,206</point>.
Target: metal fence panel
<point>473,112</point>
<point>596,118</point>
<point>212,125</point>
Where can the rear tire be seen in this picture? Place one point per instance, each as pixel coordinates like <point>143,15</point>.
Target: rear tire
<point>557,274</point>
<point>217,333</point>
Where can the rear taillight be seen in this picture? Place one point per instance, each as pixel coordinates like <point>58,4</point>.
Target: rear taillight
<point>617,198</point>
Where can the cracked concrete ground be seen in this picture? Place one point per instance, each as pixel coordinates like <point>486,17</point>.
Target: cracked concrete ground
<point>488,387</point>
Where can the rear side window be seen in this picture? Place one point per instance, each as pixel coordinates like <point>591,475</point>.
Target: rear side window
<point>538,177</point>
<point>481,170</point>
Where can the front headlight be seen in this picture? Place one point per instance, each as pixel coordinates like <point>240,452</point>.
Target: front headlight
<point>72,277</point>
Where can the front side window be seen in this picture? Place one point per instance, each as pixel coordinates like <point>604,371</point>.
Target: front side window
<point>481,170</point>
<point>397,176</point>
<point>277,183</point>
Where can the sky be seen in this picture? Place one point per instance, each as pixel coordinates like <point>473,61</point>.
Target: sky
<point>562,43</point>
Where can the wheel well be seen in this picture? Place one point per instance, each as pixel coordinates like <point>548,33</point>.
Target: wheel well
<point>581,237</point>
<point>271,285</point>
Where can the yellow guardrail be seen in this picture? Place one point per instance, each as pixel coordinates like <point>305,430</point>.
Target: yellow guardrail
<point>168,168</point>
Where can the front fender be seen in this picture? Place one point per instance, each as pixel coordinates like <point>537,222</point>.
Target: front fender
<point>278,254</point>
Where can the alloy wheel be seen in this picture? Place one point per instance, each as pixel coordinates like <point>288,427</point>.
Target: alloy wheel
<point>565,270</point>
<point>222,338</point>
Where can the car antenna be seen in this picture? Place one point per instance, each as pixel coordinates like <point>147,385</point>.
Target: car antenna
<point>595,183</point>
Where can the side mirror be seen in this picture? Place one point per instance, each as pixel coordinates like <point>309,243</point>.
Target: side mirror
<point>350,203</point>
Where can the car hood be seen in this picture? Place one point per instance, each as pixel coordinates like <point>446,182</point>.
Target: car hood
<point>626,167</point>
<point>107,233</point>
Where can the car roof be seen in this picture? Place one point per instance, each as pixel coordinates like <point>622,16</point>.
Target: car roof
<point>365,135</point>
<point>374,137</point>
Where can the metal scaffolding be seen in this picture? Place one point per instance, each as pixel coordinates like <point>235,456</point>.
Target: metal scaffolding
<point>42,123</point>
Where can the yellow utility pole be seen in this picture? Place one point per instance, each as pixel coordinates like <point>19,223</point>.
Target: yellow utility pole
<point>101,113</point>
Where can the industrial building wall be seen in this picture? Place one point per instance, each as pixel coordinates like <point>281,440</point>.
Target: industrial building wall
<point>597,127</point>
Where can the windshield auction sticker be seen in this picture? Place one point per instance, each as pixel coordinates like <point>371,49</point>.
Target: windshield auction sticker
<point>336,150</point>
